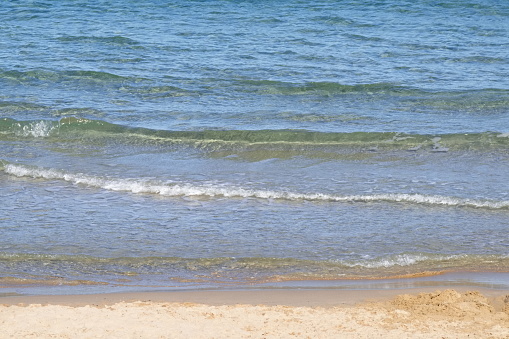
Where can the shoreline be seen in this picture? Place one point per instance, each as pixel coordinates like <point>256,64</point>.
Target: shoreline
<point>268,297</point>
<point>270,313</point>
<point>443,306</point>
<point>444,280</point>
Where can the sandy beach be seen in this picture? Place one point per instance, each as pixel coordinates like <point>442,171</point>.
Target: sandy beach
<point>261,314</point>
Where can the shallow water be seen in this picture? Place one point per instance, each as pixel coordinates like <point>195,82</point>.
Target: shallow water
<point>228,143</point>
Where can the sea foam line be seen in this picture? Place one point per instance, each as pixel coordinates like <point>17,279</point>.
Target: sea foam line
<point>176,190</point>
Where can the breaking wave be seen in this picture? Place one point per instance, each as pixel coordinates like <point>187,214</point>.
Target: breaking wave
<point>172,189</point>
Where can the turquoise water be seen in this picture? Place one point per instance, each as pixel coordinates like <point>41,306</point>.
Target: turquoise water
<point>196,144</point>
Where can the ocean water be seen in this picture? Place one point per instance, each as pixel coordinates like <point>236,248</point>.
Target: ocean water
<point>218,144</point>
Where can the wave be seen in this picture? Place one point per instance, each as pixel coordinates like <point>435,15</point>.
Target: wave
<point>410,259</point>
<point>70,127</point>
<point>173,189</point>
<point>157,91</point>
<point>396,260</point>
<point>259,86</point>
<point>28,77</point>
<point>321,88</point>
<point>243,269</point>
<point>477,99</point>
<point>15,107</point>
<point>479,102</point>
<point>116,40</point>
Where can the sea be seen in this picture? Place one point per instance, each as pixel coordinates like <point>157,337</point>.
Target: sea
<point>235,144</point>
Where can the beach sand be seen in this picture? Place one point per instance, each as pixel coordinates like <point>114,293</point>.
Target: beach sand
<point>331,313</point>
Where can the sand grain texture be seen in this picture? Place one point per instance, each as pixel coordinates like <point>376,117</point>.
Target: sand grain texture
<point>445,314</point>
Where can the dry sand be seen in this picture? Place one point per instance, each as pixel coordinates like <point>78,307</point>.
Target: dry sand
<point>260,314</point>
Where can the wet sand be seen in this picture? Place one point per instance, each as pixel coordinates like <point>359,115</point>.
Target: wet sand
<point>286,313</point>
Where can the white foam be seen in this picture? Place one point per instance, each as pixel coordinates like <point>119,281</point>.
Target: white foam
<point>174,190</point>
<point>432,260</point>
<point>399,260</point>
<point>36,129</point>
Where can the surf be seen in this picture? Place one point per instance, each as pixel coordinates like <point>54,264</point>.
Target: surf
<point>182,189</point>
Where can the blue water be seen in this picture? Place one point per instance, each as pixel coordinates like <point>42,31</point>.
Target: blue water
<point>203,143</point>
